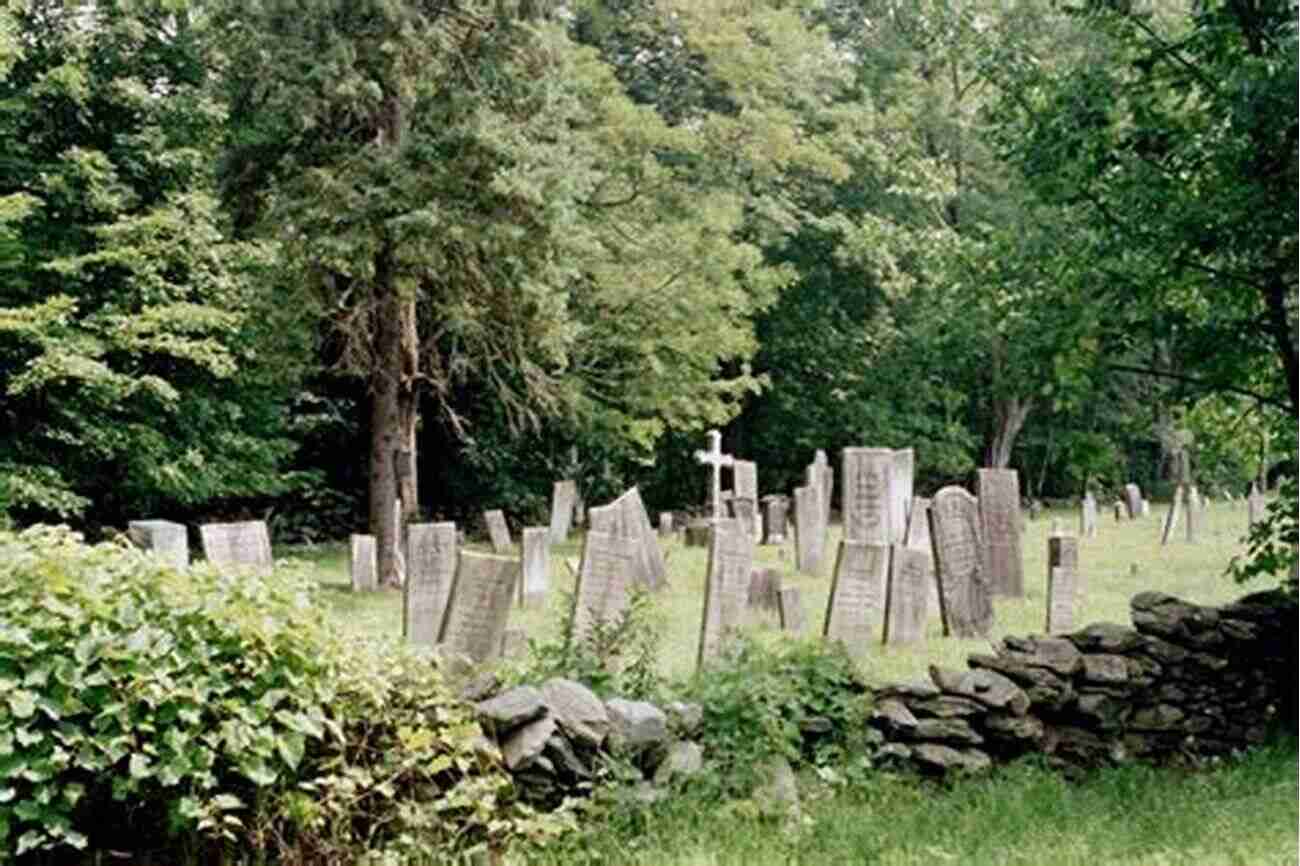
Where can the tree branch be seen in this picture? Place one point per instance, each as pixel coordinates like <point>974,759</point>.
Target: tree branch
<point>1203,383</point>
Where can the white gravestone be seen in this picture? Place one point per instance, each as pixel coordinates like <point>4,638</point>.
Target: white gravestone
<point>715,460</point>
<point>809,530</point>
<point>430,572</point>
<point>536,577</point>
<point>627,517</point>
<point>498,532</point>
<point>900,493</point>
<point>1062,583</point>
<point>605,575</point>
<point>867,481</point>
<point>234,546</point>
<point>564,495</point>
<point>918,538</point>
<point>363,565</point>
<point>999,504</point>
<point>790,609</point>
<point>166,540</point>
<point>906,596</point>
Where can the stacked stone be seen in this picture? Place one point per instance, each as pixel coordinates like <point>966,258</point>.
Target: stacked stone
<point>1186,681</point>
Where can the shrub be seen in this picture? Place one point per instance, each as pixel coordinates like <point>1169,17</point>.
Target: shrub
<point>1271,543</point>
<point>143,703</point>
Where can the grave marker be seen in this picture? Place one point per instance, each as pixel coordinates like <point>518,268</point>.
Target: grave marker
<point>479,605</point>
<point>1171,516</point>
<point>1133,500</point>
<point>857,597</point>
<point>233,546</point>
<point>776,510</point>
<point>665,524</point>
<point>515,640</point>
<point>626,517</point>
<point>1088,516</point>
<point>166,540</point>
<point>605,575</point>
<point>906,596</point>
<point>1062,583</point>
<point>867,477</point>
<point>363,565</point>
<point>999,507</point>
<point>535,582</point>
<point>726,587</point>
<point>431,571</point>
<point>764,588</point>
<point>498,531</point>
<point>965,597</point>
<point>715,460</point>
<point>563,497</point>
<point>918,538</point>
<point>1193,500</point>
<point>790,609</point>
<point>820,475</point>
<point>809,530</point>
<point>744,486</point>
<point>900,494</point>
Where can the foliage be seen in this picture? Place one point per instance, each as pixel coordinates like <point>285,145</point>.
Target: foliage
<point>142,703</point>
<point>1271,544</point>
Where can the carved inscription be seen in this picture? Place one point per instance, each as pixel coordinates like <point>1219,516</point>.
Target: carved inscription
<point>907,596</point>
<point>809,530</point>
<point>726,586</point>
<point>965,600</point>
<point>479,606</point>
<point>430,572</point>
<point>868,477</point>
<point>605,576</point>
<point>857,597</point>
<point>234,546</point>
<point>999,504</point>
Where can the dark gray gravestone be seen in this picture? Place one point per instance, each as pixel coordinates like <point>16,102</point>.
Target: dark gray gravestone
<point>564,495</point>
<point>790,608</point>
<point>965,597</point>
<point>999,505</point>
<point>1133,500</point>
<point>498,531</point>
<point>605,576</point>
<point>234,546</point>
<point>363,565</point>
<point>900,494</point>
<point>776,510</point>
<point>535,581</point>
<point>479,605</point>
<point>1171,516</point>
<point>857,597</point>
<point>726,587</point>
<point>907,595</point>
<point>1062,583</point>
<point>430,572</point>
<point>626,517</point>
<point>166,540</point>
<point>867,479</point>
<point>918,538</point>
<point>809,530</point>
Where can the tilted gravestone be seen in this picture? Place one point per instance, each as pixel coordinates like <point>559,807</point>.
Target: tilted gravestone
<point>1171,516</point>
<point>1088,516</point>
<point>918,538</point>
<point>1133,500</point>
<point>606,573</point>
<point>363,566</point>
<point>626,516</point>
<point>1193,501</point>
<point>430,572</point>
<point>867,480</point>
<point>790,610</point>
<point>233,546</point>
<point>564,495</point>
<point>809,530</point>
<point>498,532</point>
<point>906,595</point>
<point>965,597</point>
<point>999,505</point>
<point>1062,583</point>
<point>900,493</point>
<point>479,605</point>
<point>166,540</point>
<point>776,510</point>
<point>726,587</point>
<point>857,597</point>
<point>535,582</point>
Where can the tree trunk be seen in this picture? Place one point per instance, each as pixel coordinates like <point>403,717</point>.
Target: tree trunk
<point>1009,415</point>
<point>387,432</point>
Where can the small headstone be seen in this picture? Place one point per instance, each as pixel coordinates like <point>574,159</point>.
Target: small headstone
<point>431,571</point>
<point>999,506</point>
<point>744,486</point>
<point>479,605</point>
<point>1171,516</point>
<point>536,577</point>
<point>857,597</point>
<point>605,576</point>
<point>497,531</point>
<point>1194,508</point>
<point>790,608</point>
<point>715,460</point>
<point>232,546</point>
<point>1133,500</point>
<point>907,596</point>
<point>764,588</point>
<point>918,538</point>
<point>563,496</point>
<point>1254,506</point>
<point>1062,583</point>
<point>819,474</point>
<point>744,511</point>
<point>362,564</point>
<point>665,524</point>
<point>776,513</point>
<point>726,587</point>
<point>867,477</point>
<point>1088,516</point>
<point>166,540</point>
<point>965,597</point>
<point>809,530</point>
<point>626,517</point>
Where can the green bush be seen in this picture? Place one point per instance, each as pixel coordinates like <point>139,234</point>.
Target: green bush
<point>140,703</point>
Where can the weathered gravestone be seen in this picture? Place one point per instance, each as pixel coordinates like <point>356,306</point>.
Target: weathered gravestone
<point>726,587</point>
<point>605,576</point>
<point>564,495</point>
<point>166,540</point>
<point>900,494</point>
<point>819,474</point>
<point>430,572</point>
<point>627,517</point>
<point>999,506</point>
<point>1133,500</point>
<point>744,487</point>
<point>776,510</point>
<point>907,596</point>
<point>479,605</point>
<point>918,538</point>
<point>790,608</point>
<point>363,565</point>
<point>1062,583</point>
<point>965,597</point>
<point>1171,516</point>
<point>715,460</point>
<point>809,530</point>
<point>1193,501</point>
<point>498,532</point>
<point>867,479</point>
<point>743,511</point>
<point>665,524</point>
<point>232,546</point>
<point>764,588</point>
<point>1254,506</point>
<point>857,597</point>
<point>535,582</point>
<point>1088,516</point>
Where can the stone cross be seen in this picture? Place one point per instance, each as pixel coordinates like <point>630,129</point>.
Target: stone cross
<point>715,459</point>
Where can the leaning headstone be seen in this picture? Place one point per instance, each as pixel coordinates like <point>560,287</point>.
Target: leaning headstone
<point>535,582</point>
<point>1171,516</point>
<point>1088,516</point>
<point>1062,583</point>
<point>478,608</point>
<point>1254,506</point>
<point>626,516</point>
<point>900,493</point>
<point>665,524</point>
<point>867,479</point>
<point>809,530</point>
<point>166,540</point>
<point>1193,502</point>
<point>965,597</point>
<point>776,510</point>
<point>715,460</point>
<point>918,538</point>
<point>605,576</point>
<point>497,530</point>
<point>790,608</point>
<point>857,597</point>
<point>237,545</point>
<point>362,564</point>
<point>563,496</point>
<point>999,506</point>
<point>430,572</point>
<point>907,596</point>
<point>726,587</point>
<point>1133,500</point>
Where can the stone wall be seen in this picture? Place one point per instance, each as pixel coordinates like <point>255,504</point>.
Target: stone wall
<point>1184,681</point>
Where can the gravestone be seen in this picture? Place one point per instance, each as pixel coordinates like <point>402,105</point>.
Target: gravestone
<point>999,506</point>
<point>857,597</point>
<point>478,607</point>
<point>362,564</point>
<point>867,478</point>
<point>809,530</point>
<point>1146,506</point>
<point>744,485</point>
<point>233,546</point>
<point>1171,516</point>
<point>564,495</point>
<point>906,596</point>
<point>764,588</point>
<point>726,587</point>
<point>776,510</point>
<point>790,609</point>
<point>1193,501</point>
<point>900,493</point>
<point>820,475</point>
<point>166,540</point>
<point>918,538</point>
<point>604,582</point>
<point>430,572</point>
<point>965,597</point>
<point>498,531</point>
<point>1062,583</point>
<point>715,460</point>
<point>1254,506</point>
<point>626,517</point>
<point>665,524</point>
<point>1133,500</point>
<point>742,509</point>
<point>535,582</point>
<point>1088,516</point>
